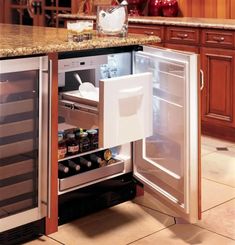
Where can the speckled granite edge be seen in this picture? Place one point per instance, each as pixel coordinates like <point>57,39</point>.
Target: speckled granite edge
<point>228,24</point>
<point>73,46</point>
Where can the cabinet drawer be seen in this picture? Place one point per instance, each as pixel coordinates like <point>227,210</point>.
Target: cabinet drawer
<point>147,30</point>
<point>218,38</point>
<point>182,35</point>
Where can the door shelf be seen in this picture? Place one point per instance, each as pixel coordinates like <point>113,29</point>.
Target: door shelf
<point>81,179</point>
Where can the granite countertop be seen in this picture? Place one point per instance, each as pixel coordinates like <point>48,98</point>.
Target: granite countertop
<point>19,40</point>
<point>174,21</point>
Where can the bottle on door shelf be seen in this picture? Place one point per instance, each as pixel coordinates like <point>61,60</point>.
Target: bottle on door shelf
<point>63,170</point>
<point>74,166</point>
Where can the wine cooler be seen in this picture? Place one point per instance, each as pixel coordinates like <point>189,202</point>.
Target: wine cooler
<point>24,163</point>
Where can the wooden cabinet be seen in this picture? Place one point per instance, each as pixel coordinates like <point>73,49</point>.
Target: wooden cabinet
<point>182,35</point>
<point>181,38</point>
<point>150,30</point>
<point>218,38</point>
<point>38,12</point>
<point>218,95</point>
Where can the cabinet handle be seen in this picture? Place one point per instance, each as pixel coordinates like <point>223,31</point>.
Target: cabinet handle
<point>149,33</point>
<point>181,35</point>
<point>218,39</point>
<point>202,82</point>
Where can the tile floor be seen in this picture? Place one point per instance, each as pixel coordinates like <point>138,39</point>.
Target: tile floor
<point>146,221</point>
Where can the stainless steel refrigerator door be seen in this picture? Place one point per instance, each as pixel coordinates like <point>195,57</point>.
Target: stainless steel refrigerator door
<point>168,162</point>
<point>23,141</point>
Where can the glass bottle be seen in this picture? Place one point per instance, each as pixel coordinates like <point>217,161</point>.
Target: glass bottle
<point>72,144</point>
<point>74,166</point>
<point>93,137</point>
<point>62,170</point>
<point>62,147</point>
<point>84,142</point>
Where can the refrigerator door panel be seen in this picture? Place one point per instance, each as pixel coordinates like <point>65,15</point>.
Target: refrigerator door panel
<point>125,103</point>
<point>168,162</point>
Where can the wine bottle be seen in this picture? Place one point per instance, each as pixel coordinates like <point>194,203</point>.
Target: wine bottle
<point>84,162</point>
<point>74,166</point>
<point>63,170</point>
<point>94,158</point>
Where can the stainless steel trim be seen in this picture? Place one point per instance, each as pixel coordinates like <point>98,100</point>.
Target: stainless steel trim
<point>40,131</point>
<point>202,82</point>
<point>49,137</point>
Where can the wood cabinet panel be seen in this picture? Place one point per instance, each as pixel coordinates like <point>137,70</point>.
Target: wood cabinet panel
<point>187,48</point>
<point>218,38</point>
<point>152,30</point>
<point>182,35</point>
<point>218,93</point>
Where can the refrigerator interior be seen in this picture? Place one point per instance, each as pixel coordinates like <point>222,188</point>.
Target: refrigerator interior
<point>90,69</point>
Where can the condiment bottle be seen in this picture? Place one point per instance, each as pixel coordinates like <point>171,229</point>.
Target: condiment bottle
<point>84,141</point>
<point>62,147</point>
<point>72,144</point>
<point>93,137</point>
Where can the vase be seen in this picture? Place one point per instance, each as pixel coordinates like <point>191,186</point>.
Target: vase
<point>136,7</point>
<point>155,7</point>
<point>170,8</point>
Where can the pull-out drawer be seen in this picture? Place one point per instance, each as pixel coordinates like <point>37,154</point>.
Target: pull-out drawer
<point>92,175</point>
<point>149,30</point>
<point>218,38</point>
<point>182,35</point>
<point>123,113</point>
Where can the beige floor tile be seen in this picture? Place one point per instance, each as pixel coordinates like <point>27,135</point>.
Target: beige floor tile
<point>43,240</point>
<point>206,149</point>
<point>210,141</point>
<point>148,200</point>
<point>117,225</point>
<point>214,194</point>
<point>220,219</point>
<point>220,167</point>
<point>184,234</point>
<point>232,148</point>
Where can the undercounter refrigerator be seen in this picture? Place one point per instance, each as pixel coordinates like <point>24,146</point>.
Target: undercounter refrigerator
<point>24,162</point>
<point>129,111</point>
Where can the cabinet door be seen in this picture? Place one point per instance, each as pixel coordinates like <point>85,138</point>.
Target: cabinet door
<point>218,93</point>
<point>168,162</point>
<point>125,109</point>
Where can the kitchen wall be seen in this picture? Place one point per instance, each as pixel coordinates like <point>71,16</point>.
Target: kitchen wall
<point>208,8</point>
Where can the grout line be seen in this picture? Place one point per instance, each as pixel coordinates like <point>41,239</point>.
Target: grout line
<point>213,232</point>
<point>149,234</point>
<point>55,240</point>
<point>218,182</point>
<point>218,205</point>
<point>154,209</point>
